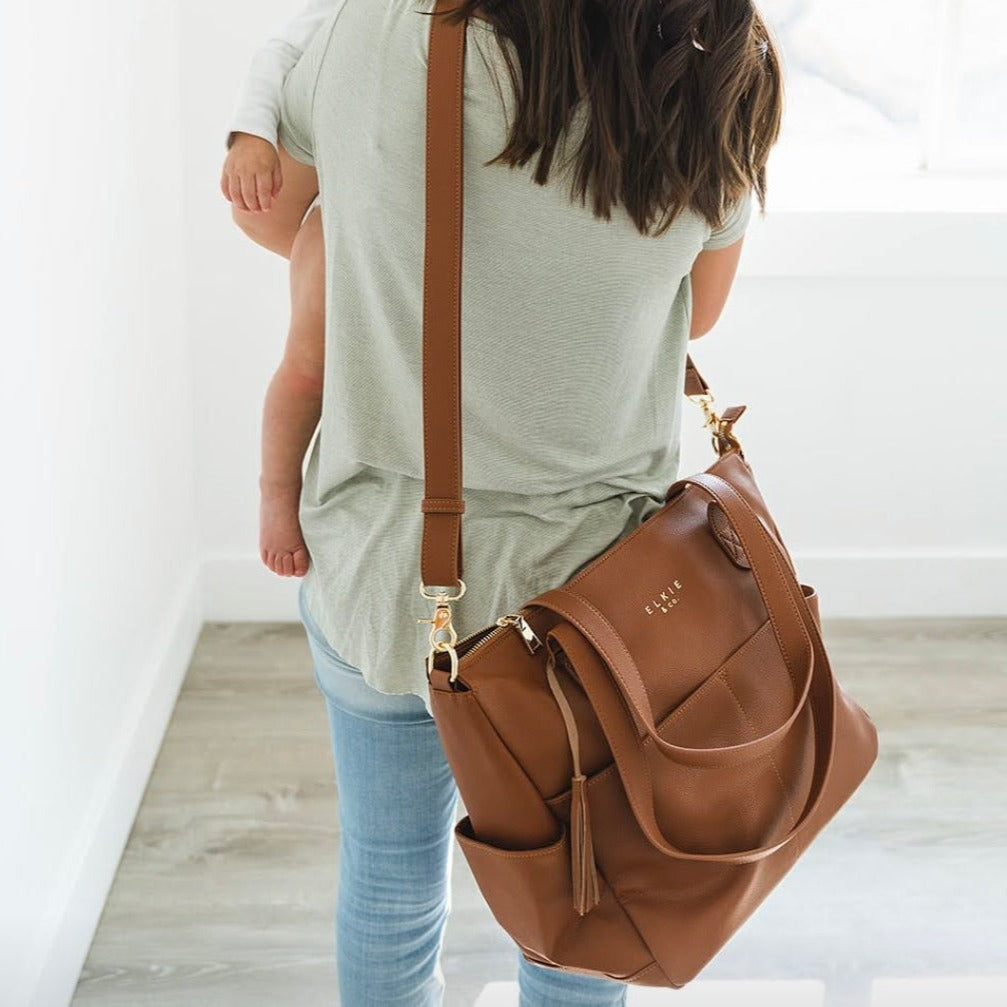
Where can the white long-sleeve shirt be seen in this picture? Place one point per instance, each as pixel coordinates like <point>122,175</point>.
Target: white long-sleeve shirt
<point>258,107</point>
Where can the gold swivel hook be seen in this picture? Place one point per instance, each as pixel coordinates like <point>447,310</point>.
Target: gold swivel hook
<point>443,635</point>
<point>720,429</point>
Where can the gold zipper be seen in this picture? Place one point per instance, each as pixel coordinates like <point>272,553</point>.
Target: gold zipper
<point>530,637</point>
<point>515,619</point>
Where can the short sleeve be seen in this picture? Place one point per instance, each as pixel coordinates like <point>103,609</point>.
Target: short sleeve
<point>734,226</point>
<point>296,98</point>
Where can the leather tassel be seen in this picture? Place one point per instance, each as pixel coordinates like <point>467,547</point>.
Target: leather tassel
<point>584,870</point>
<point>586,893</point>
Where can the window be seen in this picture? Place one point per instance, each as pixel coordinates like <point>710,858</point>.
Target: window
<point>898,86</point>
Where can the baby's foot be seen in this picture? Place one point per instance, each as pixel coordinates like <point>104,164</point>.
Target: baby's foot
<point>280,542</point>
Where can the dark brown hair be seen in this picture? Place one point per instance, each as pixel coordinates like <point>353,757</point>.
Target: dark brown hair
<point>683,99</point>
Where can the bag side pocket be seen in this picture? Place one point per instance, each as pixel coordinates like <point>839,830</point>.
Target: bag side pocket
<point>529,894</point>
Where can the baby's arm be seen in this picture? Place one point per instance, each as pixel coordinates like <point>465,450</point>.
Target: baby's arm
<point>258,109</point>
<point>251,177</point>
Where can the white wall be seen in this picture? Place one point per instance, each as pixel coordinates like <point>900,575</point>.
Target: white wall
<point>143,328</point>
<point>869,348</point>
<point>865,333</point>
<point>238,316</point>
<point>99,603</point>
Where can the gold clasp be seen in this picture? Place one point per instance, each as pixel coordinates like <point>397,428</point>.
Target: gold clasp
<point>443,635</point>
<point>720,429</point>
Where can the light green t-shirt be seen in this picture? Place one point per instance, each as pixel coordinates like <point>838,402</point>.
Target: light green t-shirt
<point>574,338</point>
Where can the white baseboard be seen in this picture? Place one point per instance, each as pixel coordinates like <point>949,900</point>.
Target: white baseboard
<point>78,897</point>
<point>850,584</point>
<point>934,584</point>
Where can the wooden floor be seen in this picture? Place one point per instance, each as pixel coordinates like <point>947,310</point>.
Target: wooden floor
<point>225,894</point>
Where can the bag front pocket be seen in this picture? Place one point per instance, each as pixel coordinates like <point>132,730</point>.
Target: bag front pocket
<point>530,895</point>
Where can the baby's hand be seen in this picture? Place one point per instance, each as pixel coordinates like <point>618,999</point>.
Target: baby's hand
<point>281,545</point>
<point>251,178</point>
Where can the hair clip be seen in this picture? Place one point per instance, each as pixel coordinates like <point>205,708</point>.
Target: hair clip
<point>696,42</point>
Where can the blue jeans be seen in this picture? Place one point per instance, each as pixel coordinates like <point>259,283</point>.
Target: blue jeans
<point>397,811</point>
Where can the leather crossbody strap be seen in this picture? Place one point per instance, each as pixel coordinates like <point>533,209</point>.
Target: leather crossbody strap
<point>441,559</point>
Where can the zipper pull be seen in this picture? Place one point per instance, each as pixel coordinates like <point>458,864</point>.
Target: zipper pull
<point>516,619</point>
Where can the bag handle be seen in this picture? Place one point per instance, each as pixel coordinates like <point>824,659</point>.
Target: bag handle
<point>615,681</point>
<point>443,503</point>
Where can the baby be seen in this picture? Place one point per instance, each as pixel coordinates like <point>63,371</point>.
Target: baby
<point>255,171</point>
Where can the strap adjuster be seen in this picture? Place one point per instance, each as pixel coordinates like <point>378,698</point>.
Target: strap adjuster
<point>442,505</point>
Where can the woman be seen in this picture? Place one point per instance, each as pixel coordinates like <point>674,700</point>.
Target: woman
<point>612,150</point>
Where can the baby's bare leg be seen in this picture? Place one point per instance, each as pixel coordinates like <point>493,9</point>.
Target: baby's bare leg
<point>293,406</point>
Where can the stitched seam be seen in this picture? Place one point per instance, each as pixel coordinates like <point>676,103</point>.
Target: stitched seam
<point>755,572</point>
<point>608,658</point>
<point>499,851</point>
<point>723,671</point>
<point>426,301</point>
<point>668,718</point>
<point>318,75</point>
<point>730,539</point>
<point>772,761</point>
<point>659,840</point>
<point>775,563</point>
<point>712,492</point>
<point>660,743</point>
<point>473,694</point>
<point>456,446</point>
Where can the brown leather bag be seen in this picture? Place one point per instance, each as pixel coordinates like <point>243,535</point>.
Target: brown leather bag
<point>646,750</point>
